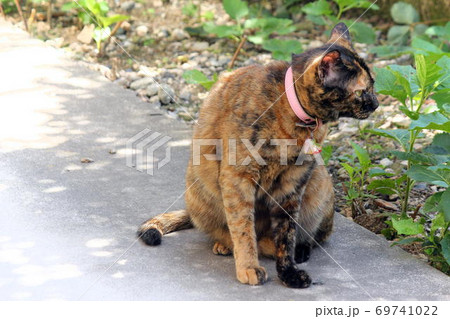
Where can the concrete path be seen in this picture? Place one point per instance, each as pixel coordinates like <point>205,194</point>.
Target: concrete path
<point>67,229</point>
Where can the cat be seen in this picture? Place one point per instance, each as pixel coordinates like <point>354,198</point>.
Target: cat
<point>245,198</point>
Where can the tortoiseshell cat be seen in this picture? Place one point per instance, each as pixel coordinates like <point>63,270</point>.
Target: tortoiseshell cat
<point>277,209</point>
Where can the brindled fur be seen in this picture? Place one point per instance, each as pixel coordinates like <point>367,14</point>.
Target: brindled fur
<point>278,210</point>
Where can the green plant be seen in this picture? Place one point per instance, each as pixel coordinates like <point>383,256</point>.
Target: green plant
<point>256,29</point>
<point>412,87</point>
<point>95,11</point>
<point>321,12</point>
<point>8,6</point>
<point>359,173</point>
<point>409,35</point>
<point>198,77</point>
<point>190,10</point>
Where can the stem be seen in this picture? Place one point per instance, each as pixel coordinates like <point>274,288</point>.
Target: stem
<point>19,9</point>
<point>2,12</point>
<point>339,14</point>
<point>412,139</point>
<point>236,53</point>
<point>49,12</point>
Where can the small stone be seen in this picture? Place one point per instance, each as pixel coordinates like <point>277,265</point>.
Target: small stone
<point>163,33</point>
<point>154,101</point>
<point>125,26</point>
<point>85,36</point>
<point>401,120</point>
<point>386,162</point>
<point>57,42</point>
<point>165,94</point>
<point>393,197</point>
<point>314,44</point>
<point>122,82</point>
<point>86,160</point>
<point>420,186</point>
<point>179,34</point>
<point>185,95</point>
<point>142,30</point>
<point>141,83</point>
<point>152,90</point>
<point>335,136</point>
<point>363,55</point>
<point>384,204</point>
<point>199,46</point>
<point>127,6</point>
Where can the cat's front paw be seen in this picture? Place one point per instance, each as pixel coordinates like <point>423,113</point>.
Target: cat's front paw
<point>302,253</point>
<point>220,249</point>
<point>293,277</point>
<point>252,276</point>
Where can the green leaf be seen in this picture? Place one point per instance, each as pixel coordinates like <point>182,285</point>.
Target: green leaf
<point>432,203</point>
<point>404,13</point>
<point>437,223</point>
<point>434,121</point>
<point>389,51</point>
<point>362,154</point>
<point>189,10</point>
<point>424,47</point>
<point>318,8</point>
<point>348,168</point>
<point>444,205</point>
<point>400,135</point>
<point>427,71</point>
<point>222,31</point>
<point>442,141</point>
<point>69,6</point>
<point>407,241</point>
<point>415,157</point>
<point>377,171</point>
<point>236,9</point>
<point>107,21</point>
<point>362,32</point>
<point>270,25</point>
<point>398,35</point>
<point>327,151</point>
<point>349,4</point>
<point>386,83</point>
<point>439,31</point>
<point>197,77</point>
<point>101,34</point>
<point>282,49</point>
<point>319,20</point>
<point>383,186</point>
<point>441,97</point>
<point>407,227</point>
<point>423,174</point>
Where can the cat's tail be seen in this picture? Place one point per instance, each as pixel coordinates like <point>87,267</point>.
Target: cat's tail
<point>151,231</point>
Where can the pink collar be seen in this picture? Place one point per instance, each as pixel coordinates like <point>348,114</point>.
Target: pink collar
<point>294,102</point>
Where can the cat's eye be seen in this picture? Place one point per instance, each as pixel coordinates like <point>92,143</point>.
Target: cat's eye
<point>358,93</point>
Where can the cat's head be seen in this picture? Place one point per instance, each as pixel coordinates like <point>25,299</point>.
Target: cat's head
<point>333,80</point>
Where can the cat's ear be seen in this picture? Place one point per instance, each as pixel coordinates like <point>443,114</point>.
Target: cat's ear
<point>340,35</point>
<point>327,67</point>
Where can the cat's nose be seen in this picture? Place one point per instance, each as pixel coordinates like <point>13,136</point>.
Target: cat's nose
<point>370,102</point>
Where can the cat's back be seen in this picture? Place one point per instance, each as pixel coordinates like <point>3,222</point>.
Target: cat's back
<point>240,96</point>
